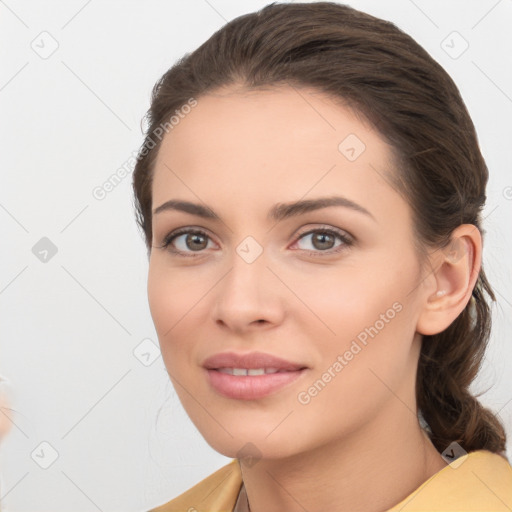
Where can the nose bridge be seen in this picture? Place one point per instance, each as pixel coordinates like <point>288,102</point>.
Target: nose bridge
<point>248,268</point>
<point>249,250</point>
<point>244,295</point>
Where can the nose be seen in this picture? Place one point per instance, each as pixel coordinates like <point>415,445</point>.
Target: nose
<point>248,296</point>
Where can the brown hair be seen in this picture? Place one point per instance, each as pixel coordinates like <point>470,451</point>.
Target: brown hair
<point>380,72</point>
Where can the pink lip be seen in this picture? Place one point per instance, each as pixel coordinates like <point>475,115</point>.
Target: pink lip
<point>250,387</point>
<point>249,360</point>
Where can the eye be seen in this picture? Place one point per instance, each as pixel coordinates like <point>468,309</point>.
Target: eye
<point>192,240</point>
<point>322,240</point>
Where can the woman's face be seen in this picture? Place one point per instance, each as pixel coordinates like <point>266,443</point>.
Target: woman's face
<point>333,290</point>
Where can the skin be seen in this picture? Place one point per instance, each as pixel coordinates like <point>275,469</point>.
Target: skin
<point>357,444</point>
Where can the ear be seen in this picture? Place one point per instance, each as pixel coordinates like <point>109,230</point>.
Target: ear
<point>456,269</point>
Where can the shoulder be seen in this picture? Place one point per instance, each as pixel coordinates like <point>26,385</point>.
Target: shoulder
<point>215,493</point>
<point>478,481</point>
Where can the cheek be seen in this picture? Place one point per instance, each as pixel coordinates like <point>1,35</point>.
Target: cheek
<point>169,301</point>
<point>347,301</point>
<point>177,302</point>
<point>171,295</point>
<point>373,292</point>
<point>160,298</point>
<point>358,376</point>
<point>371,327</point>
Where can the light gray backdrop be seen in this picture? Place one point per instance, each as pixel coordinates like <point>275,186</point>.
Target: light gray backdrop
<point>76,336</point>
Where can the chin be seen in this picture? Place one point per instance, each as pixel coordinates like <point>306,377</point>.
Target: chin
<point>252,445</point>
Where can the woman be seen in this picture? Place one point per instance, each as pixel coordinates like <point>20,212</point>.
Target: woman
<point>310,191</point>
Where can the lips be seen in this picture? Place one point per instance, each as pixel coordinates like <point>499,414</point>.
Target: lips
<point>253,360</point>
<point>250,376</point>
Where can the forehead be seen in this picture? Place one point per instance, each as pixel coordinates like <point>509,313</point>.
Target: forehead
<point>257,146</point>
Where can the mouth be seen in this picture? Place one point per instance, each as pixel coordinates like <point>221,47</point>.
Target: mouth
<point>250,376</point>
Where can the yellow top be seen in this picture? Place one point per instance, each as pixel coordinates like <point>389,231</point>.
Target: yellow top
<point>481,482</point>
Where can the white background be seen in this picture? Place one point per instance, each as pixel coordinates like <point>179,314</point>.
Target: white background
<point>69,326</point>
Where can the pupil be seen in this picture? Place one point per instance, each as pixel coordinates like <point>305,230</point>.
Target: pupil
<point>319,238</point>
<point>194,238</point>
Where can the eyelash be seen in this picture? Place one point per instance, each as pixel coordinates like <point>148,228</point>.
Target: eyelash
<point>346,239</point>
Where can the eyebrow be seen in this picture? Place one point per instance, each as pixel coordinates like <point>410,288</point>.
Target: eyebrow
<point>278,212</point>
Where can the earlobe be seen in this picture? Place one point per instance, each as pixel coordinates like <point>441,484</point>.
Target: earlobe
<point>456,270</point>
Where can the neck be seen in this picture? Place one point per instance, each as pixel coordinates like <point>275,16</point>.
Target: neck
<point>371,470</point>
